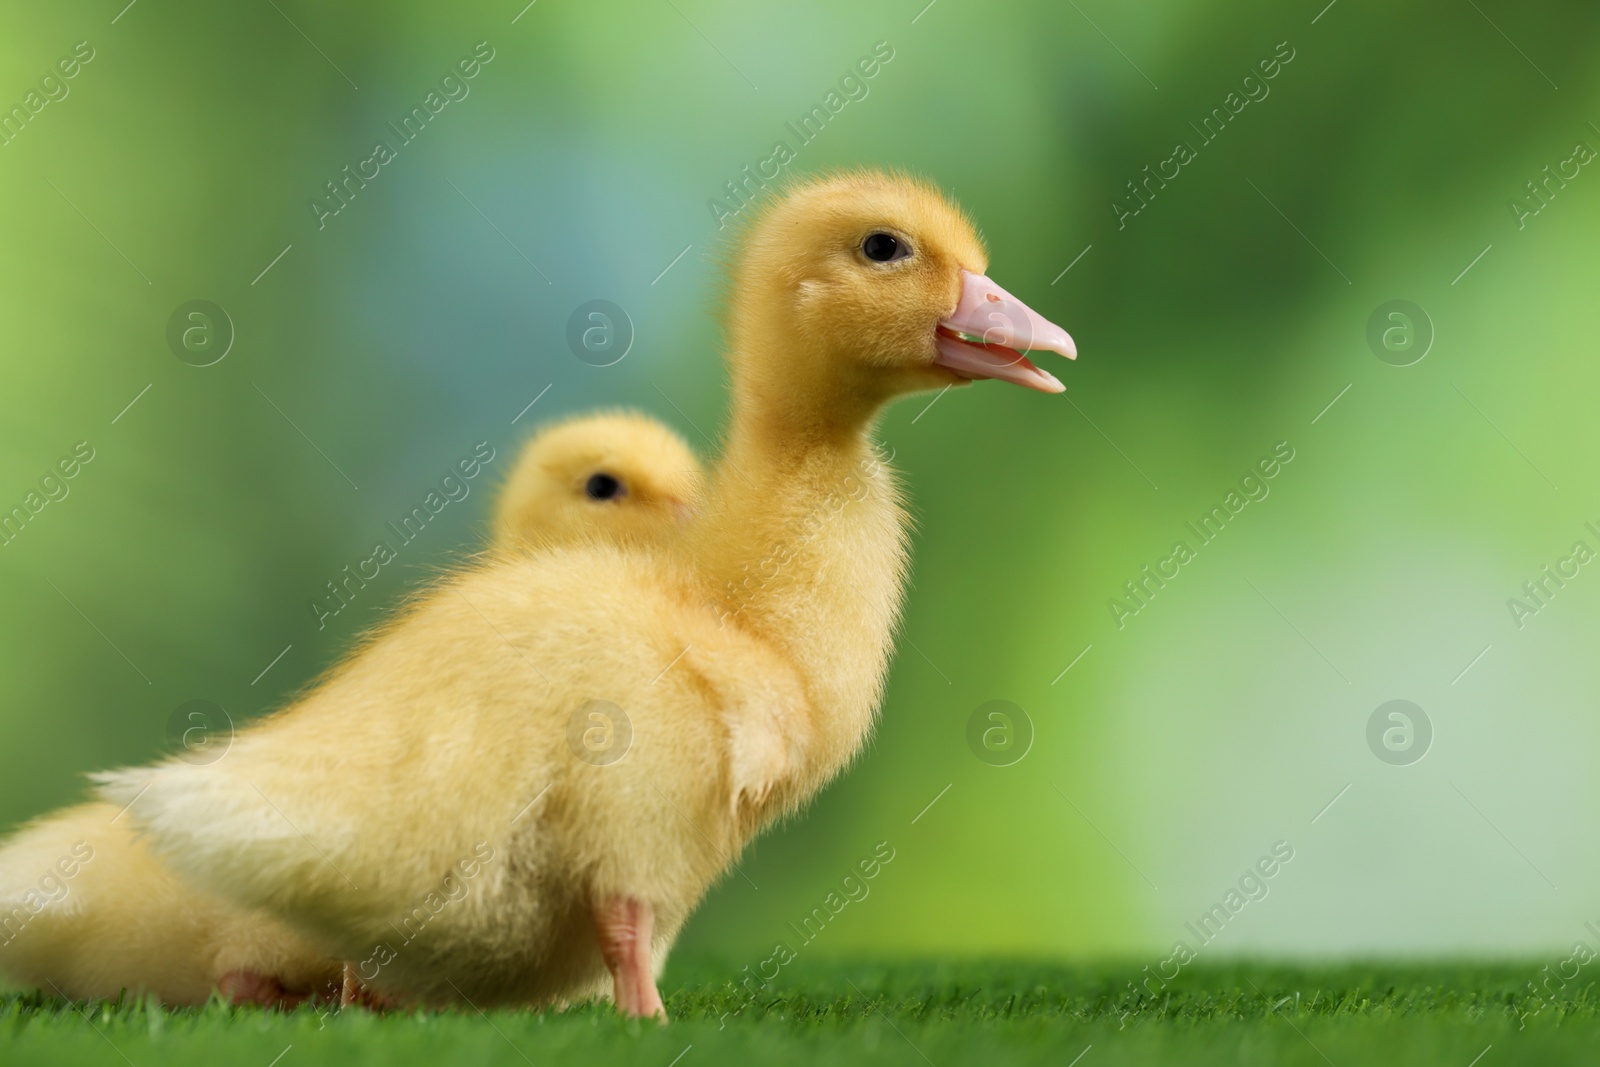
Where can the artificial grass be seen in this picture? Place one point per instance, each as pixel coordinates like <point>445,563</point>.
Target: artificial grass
<point>940,1014</point>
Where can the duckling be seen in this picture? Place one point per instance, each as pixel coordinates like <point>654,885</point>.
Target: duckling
<point>618,475</point>
<point>87,910</point>
<point>519,793</point>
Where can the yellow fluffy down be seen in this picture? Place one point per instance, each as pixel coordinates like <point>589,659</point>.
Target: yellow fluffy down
<point>122,920</point>
<point>110,916</point>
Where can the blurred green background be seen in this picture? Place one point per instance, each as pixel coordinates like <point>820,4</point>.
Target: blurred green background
<point>1220,320</point>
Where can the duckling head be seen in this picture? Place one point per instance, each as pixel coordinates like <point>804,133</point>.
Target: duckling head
<point>868,285</point>
<point>617,476</point>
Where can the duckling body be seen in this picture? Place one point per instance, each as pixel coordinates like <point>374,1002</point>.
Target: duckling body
<point>124,919</point>
<point>597,730</point>
<point>493,822</point>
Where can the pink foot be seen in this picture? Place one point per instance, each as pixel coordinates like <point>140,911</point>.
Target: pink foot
<point>248,987</point>
<point>624,926</point>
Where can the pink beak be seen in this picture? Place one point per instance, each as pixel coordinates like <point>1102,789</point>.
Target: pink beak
<point>1005,327</point>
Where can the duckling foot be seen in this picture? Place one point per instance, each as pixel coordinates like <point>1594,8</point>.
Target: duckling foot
<point>248,987</point>
<point>624,925</point>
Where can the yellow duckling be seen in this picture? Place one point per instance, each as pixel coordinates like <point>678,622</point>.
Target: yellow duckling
<point>616,476</point>
<point>519,792</point>
<point>87,910</point>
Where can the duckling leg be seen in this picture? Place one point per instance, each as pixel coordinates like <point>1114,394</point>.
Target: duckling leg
<point>625,926</point>
<point>352,991</point>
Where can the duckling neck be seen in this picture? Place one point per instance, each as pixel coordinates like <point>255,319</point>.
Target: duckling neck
<point>805,536</point>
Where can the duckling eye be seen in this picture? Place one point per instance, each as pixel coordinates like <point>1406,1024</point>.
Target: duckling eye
<point>603,487</point>
<point>884,248</point>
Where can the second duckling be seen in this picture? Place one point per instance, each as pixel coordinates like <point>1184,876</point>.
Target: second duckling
<point>114,917</point>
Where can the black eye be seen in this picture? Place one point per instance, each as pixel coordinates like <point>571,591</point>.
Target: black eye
<point>884,248</point>
<point>603,487</point>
